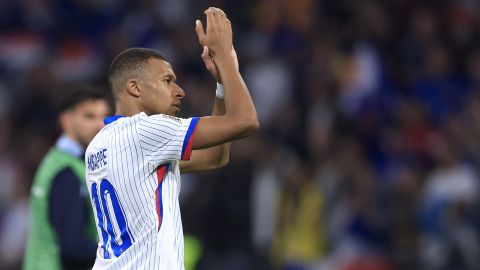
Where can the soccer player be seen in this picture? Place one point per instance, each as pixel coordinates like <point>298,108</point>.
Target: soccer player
<point>62,232</point>
<point>133,164</point>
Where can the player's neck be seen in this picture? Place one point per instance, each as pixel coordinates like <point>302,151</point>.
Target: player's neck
<point>126,108</point>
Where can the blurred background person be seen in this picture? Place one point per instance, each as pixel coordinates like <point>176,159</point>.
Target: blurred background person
<point>62,232</point>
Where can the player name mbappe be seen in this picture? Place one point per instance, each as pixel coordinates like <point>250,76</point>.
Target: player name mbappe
<point>97,160</point>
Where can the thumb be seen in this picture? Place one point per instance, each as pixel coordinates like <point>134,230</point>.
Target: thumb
<point>205,55</point>
<point>200,32</point>
<point>208,60</point>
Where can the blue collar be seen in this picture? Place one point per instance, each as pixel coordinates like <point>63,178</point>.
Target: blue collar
<point>112,119</point>
<point>70,146</point>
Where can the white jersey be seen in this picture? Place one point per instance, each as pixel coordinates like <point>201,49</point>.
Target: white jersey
<point>133,177</point>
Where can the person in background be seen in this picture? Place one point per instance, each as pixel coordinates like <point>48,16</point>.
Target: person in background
<point>62,232</point>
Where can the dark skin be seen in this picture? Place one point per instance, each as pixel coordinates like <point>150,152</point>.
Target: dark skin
<point>156,91</point>
<point>217,156</point>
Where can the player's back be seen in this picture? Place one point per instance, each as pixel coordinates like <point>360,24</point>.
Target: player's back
<point>134,181</point>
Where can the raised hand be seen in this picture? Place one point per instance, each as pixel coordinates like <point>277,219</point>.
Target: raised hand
<point>210,63</point>
<point>218,35</point>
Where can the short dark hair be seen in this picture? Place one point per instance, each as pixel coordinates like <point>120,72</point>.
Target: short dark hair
<point>129,62</point>
<point>72,95</point>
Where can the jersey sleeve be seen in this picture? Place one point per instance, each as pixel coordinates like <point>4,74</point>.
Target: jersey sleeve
<point>165,138</point>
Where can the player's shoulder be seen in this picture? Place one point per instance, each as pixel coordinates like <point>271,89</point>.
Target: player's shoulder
<point>159,119</point>
<point>98,139</point>
<point>160,116</point>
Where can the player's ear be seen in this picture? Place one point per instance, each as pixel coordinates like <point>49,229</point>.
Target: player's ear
<point>133,87</point>
<point>65,120</point>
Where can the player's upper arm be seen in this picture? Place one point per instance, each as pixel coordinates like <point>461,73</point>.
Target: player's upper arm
<point>214,130</point>
<point>164,138</point>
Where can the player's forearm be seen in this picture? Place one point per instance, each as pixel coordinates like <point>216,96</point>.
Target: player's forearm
<point>209,158</point>
<point>218,107</point>
<point>220,153</point>
<point>238,102</point>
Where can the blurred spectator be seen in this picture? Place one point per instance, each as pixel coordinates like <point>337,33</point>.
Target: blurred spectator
<point>299,240</point>
<point>62,232</point>
<point>449,238</point>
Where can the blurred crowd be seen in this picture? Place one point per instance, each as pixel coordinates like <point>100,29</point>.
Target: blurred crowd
<point>369,151</point>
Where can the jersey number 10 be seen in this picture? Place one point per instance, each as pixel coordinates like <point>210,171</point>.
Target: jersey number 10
<point>111,219</point>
